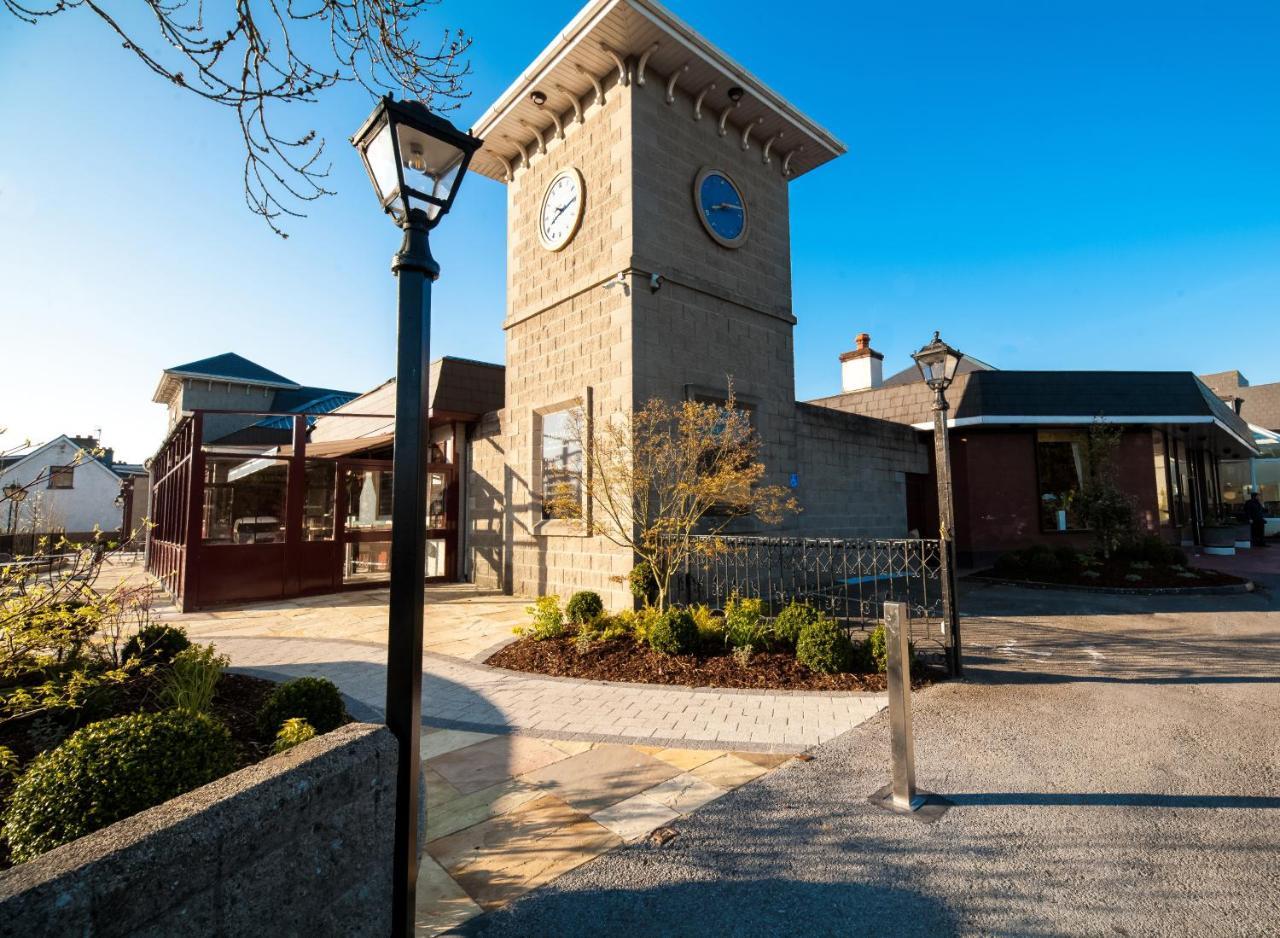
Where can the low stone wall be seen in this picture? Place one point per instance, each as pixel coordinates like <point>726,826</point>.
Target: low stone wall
<point>299,844</point>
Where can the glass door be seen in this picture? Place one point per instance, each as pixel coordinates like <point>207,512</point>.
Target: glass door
<point>364,495</point>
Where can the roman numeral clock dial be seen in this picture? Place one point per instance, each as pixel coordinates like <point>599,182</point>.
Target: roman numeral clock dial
<point>561,212</point>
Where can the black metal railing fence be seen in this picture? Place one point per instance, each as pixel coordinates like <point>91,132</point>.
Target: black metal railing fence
<point>849,579</point>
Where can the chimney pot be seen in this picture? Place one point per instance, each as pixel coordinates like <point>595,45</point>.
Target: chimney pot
<point>863,368</point>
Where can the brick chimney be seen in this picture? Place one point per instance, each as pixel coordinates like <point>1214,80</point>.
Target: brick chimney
<point>863,368</point>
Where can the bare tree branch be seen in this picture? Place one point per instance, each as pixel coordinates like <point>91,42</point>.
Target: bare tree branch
<point>264,53</point>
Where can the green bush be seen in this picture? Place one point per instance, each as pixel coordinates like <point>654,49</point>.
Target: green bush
<point>110,770</point>
<point>1068,559</point>
<point>877,650</point>
<point>292,731</point>
<point>548,620</point>
<point>191,682</point>
<point>640,582</point>
<point>156,644</point>
<point>792,620</point>
<point>1153,550</point>
<point>824,646</point>
<point>314,699</point>
<point>584,607</point>
<point>1040,560</point>
<point>1011,564</point>
<point>710,625</point>
<point>635,622</point>
<point>674,633</point>
<point>743,622</point>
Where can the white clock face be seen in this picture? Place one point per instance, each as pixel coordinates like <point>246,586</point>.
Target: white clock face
<point>561,210</point>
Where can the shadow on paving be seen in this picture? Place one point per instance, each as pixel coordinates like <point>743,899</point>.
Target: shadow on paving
<point>748,907</point>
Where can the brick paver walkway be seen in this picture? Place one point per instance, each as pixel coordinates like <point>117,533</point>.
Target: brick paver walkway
<point>465,695</point>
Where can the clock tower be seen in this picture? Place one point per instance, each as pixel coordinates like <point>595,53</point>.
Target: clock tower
<point>648,255</point>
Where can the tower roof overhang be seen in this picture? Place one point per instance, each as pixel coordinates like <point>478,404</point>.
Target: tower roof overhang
<point>639,40</point>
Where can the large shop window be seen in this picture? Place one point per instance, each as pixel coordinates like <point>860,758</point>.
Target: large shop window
<point>244,500</point>
<point>318,501</point>
<point>1060,467</point>
<point>368,498</point>
<point>562,463</point>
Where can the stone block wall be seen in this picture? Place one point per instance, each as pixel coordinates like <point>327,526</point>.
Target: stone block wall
<point>852,474</point>
<point>299,844</point>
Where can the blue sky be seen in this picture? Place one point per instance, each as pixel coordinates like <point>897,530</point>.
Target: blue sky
<point>1099,189</point>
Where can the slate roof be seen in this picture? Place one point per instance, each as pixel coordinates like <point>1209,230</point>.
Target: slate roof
<point>912,375</point>
<point>1158,397</point>
<point>232,367</point>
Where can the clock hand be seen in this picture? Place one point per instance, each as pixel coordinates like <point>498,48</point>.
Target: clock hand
<point>726,205</point>
<point>561,210</point>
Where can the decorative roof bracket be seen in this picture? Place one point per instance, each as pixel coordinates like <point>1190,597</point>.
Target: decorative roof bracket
<point>618,61</point>
<point>644,60</point>
<point>524,154</point>
<point>542,147</point>
<point>746,131</point>
<point>555,119</point>
<point>595,83</point>
<point>768,145</point>
<point>786,163</point>
<point>697,104</point>
<point>724,117</point>
<point>671,83</point>
<point>573,99</point>
<point>508,172</point>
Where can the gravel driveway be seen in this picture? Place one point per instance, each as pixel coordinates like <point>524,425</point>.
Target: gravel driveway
<point>1114,768</point>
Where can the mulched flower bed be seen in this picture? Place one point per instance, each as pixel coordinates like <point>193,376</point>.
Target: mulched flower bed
<point>626,661</point>
<point>1115,575</point>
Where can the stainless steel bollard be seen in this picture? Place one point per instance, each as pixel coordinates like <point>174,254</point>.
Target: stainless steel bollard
<point>901,795</point>
<point>896,619</point>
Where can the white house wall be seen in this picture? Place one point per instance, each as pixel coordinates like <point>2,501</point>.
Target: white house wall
<point>89,503</point>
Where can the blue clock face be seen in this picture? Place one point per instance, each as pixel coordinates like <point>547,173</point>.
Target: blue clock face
<point>723,209</point>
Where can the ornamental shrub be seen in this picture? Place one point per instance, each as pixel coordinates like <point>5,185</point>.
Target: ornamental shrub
<point>156,644</point>
<point>191,682</point>
<point>110,770</point>
<point>790,621</point>
<point>823,646</point>
<point>743,622</point>
<point>584,607</point>
<point>877,650</point>
<point>314,699</point>
<point>710,625</point>
<point>674,633</point>
<point>293,731</point>
<point>548,620</point>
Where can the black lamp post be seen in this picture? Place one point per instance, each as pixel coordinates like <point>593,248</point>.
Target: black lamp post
<point>416,161</point>
<point>938,362</point>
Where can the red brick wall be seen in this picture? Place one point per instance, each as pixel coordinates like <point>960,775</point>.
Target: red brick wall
<point>997,492</point>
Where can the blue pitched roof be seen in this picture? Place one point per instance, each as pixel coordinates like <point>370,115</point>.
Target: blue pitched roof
<point>232,367</point>
<point>305,400</point>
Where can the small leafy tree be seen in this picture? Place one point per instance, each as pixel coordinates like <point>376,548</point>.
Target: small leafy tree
<point>665,473</point>
<point>1103,507</point>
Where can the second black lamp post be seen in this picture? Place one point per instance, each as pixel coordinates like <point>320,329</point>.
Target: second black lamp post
<point>416,161</point>
<point>938,362</point>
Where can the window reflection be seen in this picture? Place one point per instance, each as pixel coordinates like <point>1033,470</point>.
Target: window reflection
<point>368,498</point>
<point>561,463</point>
<point>318,498</point>
<point>244,500</point>
<point>1060,468</point>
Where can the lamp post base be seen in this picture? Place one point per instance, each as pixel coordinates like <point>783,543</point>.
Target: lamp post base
<point>925,806</point>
